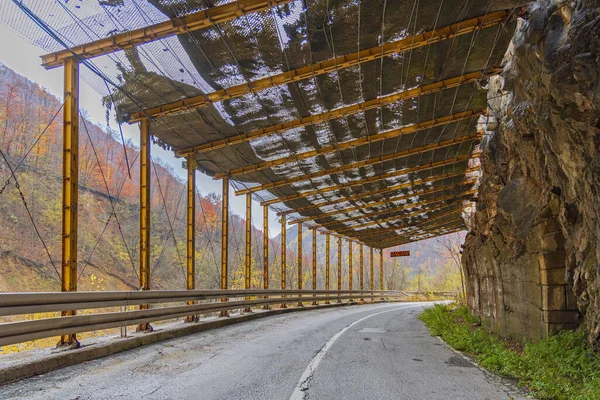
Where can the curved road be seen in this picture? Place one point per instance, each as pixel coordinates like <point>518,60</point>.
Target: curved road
<point>378,351</point>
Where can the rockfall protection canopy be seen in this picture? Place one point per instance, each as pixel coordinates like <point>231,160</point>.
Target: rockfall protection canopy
<point>357,117</point>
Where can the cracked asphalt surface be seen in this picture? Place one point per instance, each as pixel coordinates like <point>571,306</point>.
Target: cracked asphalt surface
<point>388,354</point>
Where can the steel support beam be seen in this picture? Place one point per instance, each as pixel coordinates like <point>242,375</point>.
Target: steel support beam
<point>191,231</point>
<point>388,189</point>
<point>283,256</point>
<point>248,266</point>
<point>300,275</point>
<point>393,218</point>
<point>266,251</point>
<point>265,247</point>
<point>362,141</point>
<point>341,112</point>
<point>448,222</point>
<point>381,269</point>
<point>327,259</point>
<point>70,186</point>
<point>430,236</point>
<point>328,66</point>
<point>445,210</point>
<point>368,162</point>
<point>314,262</point>
<point>372,276</point>
<point>350,266</point>
<point>361,270</point>
<point>176,26</point>
<point>145,214</point>
<point>224,239</point>
<point>339,265</point>
<point>366,206</point>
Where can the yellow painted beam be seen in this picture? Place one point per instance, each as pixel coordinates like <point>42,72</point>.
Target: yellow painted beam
<point>248,271</point>
<point>378,235</point>
<point>350,266</point>
<point>385,201</point>
<point>327,259</point>
<point>144,214</point>
<point>265,247</point>
<point>176,26</point>
<point>351,230</point>
<point>441,223</point>
<point>341,112</point>
<point>437,230</point>
<point>191,231</point>
<point>314,262</point>
<point>70,186</point>
<point>393,188</point>
<point>365,140</point>
<point>408,206</point>
<point>381,269</point>
<point>371,161</point>
<point>283,252</point>
<point>444,211</point>
<point>224,239</point>
<point>328,66</point>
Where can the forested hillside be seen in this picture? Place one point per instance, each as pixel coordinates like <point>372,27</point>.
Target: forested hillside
<point>30,139</point>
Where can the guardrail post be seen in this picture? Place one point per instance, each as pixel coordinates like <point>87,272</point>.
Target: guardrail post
<point>300,277</point>
<point>371,276</point>
<point>248,268</point>
<point>144,215</point>
<point>266,252</point>
<point>70,187</point>
<point>327,249</point>
<point>339,267</point>
<point>361,272</point>
<point>224,237</point>
<point>350,269</point>
<point>191,230</point>
<point>283,256</point>
<point>314,263</point>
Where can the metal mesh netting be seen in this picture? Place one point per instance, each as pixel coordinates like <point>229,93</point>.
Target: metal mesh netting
<point>279,39</point>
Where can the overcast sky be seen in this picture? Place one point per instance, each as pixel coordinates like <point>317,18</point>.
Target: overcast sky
<point>24,58</point>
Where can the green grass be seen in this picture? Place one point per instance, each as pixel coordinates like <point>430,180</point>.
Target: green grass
<point>560,367</point>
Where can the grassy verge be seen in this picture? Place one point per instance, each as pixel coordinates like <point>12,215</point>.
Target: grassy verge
<point>560,367</point>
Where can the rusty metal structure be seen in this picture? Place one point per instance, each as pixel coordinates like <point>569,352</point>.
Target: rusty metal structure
<point>360,119</point>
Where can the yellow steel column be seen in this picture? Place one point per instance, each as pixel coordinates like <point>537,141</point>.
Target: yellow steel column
<point>339,267</point>
<point>144,214</point>
<point>70,187</point>
<point>327,248</point>
<point>283,256</point>
<point>381,271</point>
<point>248,269</point>
<point>350,268</point>
<point>314,262</point>
<point>361,272</point>
<point>371,277</point>
<point>300,276</point>
<point>266,251</point>
<point>191,230</point>
<point>224,237</point>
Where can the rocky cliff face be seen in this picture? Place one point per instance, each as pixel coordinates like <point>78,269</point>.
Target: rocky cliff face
<point>533,254</point>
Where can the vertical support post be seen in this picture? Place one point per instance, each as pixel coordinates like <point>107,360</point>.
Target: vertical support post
<point>350,266</point>
<point>248,269</point>
<point>266,251</point>
<point>314,263</point>
<point>300,275</point>
<point>283,256</point>
<point>339,267</point>
<point>327,252</point>
<point>371,276</point>
<point>224,237</point>
<point>381,271</point>
<point>144,215</point>
<point>70,187</point>
<point>191,230</point>
<point>361,272</point>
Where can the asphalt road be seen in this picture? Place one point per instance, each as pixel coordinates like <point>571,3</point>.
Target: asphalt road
<point>378,351</point>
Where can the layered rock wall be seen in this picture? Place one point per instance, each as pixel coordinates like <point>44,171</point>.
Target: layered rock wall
<point>532,256</point>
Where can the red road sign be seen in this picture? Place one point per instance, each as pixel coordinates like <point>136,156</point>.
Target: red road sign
<point>403,253</point>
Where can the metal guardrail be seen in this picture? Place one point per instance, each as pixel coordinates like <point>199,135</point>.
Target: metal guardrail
<point>31,303</point>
